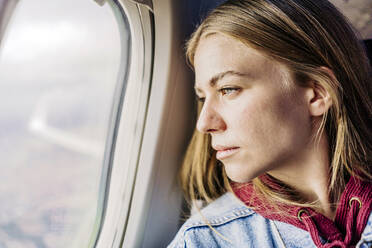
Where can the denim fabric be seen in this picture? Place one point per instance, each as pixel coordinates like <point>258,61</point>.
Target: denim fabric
<point>366,239</point>
<point>235,225</point>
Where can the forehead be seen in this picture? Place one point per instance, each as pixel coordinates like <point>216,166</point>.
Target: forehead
<point>218,53</point>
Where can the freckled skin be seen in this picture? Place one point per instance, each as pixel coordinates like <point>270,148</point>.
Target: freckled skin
<point>268,118</point>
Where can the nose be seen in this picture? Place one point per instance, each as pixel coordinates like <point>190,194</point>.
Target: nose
<point>209,120</point>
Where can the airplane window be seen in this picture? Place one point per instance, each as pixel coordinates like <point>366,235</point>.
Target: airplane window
<point>60,62</point>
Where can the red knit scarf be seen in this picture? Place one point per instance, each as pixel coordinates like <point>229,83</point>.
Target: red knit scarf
<point>352,213</point>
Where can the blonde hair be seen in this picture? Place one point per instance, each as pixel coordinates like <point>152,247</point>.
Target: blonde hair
<point>305,35</point>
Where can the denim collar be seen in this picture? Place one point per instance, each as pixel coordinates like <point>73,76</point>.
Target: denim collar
<point>224,209</point>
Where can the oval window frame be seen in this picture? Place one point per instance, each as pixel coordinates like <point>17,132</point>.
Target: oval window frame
<point>118,182</point>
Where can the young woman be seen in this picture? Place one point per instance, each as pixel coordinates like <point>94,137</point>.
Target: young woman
<point>283,147</point>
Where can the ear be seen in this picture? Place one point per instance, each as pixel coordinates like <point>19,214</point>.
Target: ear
<point>318,98</point>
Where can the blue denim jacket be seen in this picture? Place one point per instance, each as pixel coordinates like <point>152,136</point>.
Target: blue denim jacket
<point>236,225</point>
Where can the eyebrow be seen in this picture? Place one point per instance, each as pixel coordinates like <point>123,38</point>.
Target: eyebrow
<point>214,80</point>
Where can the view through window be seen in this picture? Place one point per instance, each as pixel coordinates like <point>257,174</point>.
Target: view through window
<point>59,67</point>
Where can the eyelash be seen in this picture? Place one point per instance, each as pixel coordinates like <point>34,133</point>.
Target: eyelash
<point>231,89</point>
<point>222,91</point>
<point>200,99</point>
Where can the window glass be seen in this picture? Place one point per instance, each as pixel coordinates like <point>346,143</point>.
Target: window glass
<point>60,62</point>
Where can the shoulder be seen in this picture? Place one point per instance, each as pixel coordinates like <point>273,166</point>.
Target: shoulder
<point>227,222</point>
<point>226,210</point>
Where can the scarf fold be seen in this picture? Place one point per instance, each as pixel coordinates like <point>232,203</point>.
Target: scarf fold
<point>352,213</point>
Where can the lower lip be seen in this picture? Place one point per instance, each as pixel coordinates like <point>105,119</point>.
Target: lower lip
<point>226,153</point>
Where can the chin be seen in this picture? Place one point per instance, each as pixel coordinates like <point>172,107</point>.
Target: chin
<point>239,173</point>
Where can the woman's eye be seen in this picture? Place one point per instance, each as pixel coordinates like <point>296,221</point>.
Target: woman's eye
<point>229,90</point>
<point>200,99</point>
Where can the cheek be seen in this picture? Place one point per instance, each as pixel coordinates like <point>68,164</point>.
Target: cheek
<point>271,122</point>
<point>256,124</point>
<point>251,122</point>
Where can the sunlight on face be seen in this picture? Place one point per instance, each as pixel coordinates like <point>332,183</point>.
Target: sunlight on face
<point>256,115</point>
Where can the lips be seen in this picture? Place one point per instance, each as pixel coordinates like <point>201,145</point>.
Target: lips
<point>225,152</point>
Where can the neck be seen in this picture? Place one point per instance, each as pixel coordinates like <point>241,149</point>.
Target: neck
<point>308,173</point>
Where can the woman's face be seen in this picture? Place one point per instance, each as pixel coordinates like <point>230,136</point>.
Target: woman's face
<point>256,115</point>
